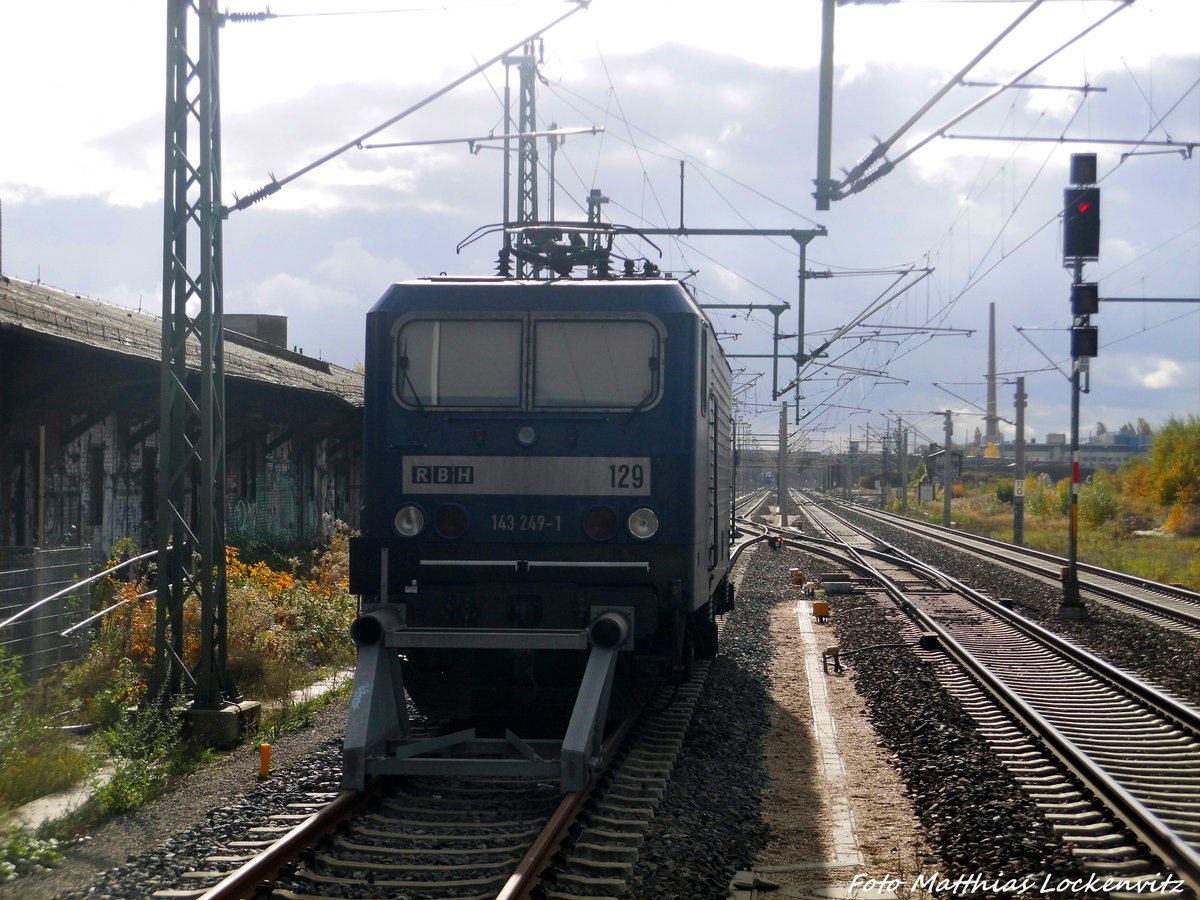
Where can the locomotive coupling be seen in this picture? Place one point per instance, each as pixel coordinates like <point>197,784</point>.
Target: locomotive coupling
<point>369,629</point>
<point>611,629</point>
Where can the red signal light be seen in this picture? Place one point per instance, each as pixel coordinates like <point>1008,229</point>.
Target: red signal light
<point>1081,223</point>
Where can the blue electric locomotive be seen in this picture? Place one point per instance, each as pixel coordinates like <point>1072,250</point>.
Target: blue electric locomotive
<point>546,536</point>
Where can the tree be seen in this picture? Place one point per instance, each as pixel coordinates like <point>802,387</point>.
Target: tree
<point>1127,428</point>
<point>1143,427</point>
<point>1101,428</point>
<point>1175,462</point>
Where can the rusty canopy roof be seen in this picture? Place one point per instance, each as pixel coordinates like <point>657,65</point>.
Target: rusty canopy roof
<point>73,318</point>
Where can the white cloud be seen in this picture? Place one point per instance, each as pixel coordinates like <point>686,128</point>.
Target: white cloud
<point>349,264</point>
<point>1164,374</point>
<point>144,299</point>
<point>284,294</point>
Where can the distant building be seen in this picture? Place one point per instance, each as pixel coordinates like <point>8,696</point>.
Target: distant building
<point>1105,451</point>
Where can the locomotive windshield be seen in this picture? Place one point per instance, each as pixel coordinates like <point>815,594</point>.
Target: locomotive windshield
<point>570,363</point>
<point>587,363</point>
<point>459,362</point>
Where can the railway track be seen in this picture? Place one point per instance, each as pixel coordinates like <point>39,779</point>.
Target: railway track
<point>1168,605</point>
<point>462,838</point>
<point>1114,764</point>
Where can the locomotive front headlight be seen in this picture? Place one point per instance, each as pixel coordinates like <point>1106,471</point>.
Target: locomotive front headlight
<point>643,523</point>
<point>409,521</point>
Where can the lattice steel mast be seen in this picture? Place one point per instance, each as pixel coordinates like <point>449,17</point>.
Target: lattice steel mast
<point>527,155</point>
<point>191,528</point>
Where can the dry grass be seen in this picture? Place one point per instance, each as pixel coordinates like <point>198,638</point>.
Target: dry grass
<point>1174,559</point>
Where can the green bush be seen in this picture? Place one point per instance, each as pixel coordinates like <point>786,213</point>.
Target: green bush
<point>1041,498</point>
<point>1004,490</point>
<point>146,751</point>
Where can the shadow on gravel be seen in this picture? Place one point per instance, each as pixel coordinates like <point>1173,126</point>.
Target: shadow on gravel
<point>709,824</point>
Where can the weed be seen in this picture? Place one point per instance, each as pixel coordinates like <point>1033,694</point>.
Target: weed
<point>290,717</point>
<point>22,853</point>
<point>143,749</point>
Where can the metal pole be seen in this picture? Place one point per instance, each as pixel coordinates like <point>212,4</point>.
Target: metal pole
<point>992,427</point>
<point>41,513</point>
<point>1071,602</point>
<point>737,446</point>
<point>825,108</point>
<point>191,530</point>
<point>903,468</point>
<point>800,299</point>
<point>848,470</point>
<point>776,312</point>
<point>552,147</point>
<point>1072,606</point>
<point>883,490</point>
<point>505,198</point>
<point>1019,475</point>
<point>946,484</point>
<point>782,480</point>
<point>681,193</point>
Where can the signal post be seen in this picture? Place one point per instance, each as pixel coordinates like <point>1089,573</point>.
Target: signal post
<point>1081,243</point>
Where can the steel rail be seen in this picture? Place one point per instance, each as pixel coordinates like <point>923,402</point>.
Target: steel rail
<point>245,881</point>
<point>1182,593</point>
<point>1163,842</point>
<point>525,878</point>
<point>1165,704</point>
<point>528,872</point>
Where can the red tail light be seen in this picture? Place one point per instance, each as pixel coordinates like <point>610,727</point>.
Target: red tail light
<point>600,523</point>
<point>451,521</point>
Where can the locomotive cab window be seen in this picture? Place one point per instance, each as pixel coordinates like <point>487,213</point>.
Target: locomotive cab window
<point>459,363</point>
<point>595,363</point>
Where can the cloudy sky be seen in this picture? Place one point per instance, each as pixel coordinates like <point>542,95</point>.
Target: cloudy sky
<point>728,88</point>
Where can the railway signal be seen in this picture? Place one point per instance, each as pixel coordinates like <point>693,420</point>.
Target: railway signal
<point>1081,243</point>
<point>1081,223</point>
<point>1085,298</point>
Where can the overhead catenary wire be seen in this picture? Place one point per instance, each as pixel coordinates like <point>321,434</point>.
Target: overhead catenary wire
<point>276,184</point>
<point>856,183</point>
